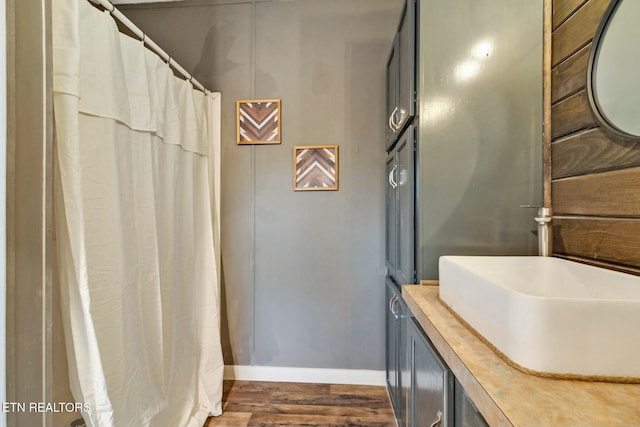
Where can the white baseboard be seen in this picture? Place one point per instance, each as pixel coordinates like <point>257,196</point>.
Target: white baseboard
<point>305,375</point>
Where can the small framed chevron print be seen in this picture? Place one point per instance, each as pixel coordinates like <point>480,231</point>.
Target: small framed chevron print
<point>315,167</point>
<point>258,121</point>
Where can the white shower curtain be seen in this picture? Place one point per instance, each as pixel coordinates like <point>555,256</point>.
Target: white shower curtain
<point>134,209</point>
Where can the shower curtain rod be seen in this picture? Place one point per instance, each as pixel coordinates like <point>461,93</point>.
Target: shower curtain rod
<point>148,42</point>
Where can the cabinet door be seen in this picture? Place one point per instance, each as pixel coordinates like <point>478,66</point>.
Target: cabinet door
<point>430,383</point>
<point>391,237</point>
<point>404,364</point>
<point>392,94</point>
<point>466,414</point>
<point>406,58</point>
<point>401,75</point>
<point>392,320</point>
<point>405,155</point>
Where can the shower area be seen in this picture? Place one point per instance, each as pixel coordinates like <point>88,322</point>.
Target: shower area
<point>113,205</point>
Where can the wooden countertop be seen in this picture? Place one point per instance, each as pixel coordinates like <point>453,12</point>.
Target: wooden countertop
<point>506,396</point>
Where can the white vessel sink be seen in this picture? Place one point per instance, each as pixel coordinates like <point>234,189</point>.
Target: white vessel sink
<point>548,314</point>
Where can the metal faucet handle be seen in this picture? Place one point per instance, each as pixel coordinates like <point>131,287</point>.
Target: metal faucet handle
<point>543,218</point>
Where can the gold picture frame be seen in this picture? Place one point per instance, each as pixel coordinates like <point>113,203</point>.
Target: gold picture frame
<point>258,122</point>
<point>315,168</point>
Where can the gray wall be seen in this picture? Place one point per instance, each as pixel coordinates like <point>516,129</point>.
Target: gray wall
<point>29,280</point>
<point>480,142</point>
<point>303,272</point>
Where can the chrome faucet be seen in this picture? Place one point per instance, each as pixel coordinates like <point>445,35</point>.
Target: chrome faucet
<point>545,238</point>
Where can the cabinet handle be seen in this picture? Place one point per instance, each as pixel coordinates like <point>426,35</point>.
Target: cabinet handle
<point>396,121</point>
<point>438,419</point>
<point>392,181</point>
<point>392,124</point>
<point>392,306</point>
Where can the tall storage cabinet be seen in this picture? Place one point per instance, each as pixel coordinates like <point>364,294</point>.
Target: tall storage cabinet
<point>401,150</point>
<point>400,206</point>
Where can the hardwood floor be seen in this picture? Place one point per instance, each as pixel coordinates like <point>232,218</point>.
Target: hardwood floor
<point>248,404</point>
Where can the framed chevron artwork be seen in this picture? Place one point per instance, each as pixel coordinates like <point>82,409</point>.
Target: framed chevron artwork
<point>258,121</point>
<point>315,167</point>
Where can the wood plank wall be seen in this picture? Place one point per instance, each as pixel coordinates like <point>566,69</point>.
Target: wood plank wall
<point>595,177</point>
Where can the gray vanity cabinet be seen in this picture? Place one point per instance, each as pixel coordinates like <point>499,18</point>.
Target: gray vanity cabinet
<point>430,394</point>
<point>401,75</point>
<point>431,391</point>
<point>419,383</point>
